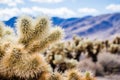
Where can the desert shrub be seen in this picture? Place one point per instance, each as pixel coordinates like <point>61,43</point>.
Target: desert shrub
<point>110,62</point>
<point>88,65</point>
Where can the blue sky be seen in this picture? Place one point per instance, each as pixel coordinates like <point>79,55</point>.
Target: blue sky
<point>59,8</point>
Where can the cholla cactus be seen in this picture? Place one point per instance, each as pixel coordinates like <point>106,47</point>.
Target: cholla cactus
<point>44,76</point>
<point>2,52</point>
<point>93,49</point>
<point>88,76</point>
<point>21,58</point>
<point>55,76</point>
<point>60,57</point>
<point>73,75</point>
<point>114,48</point>
<point>116,40</point>
<point>1,29</point>
<point>76,75</point>
<point>24,29</point>
<point>76,39</point>
<point>51,76</point>
<point>6,34</point>
<point>81,47</point>
<point>41,45</point>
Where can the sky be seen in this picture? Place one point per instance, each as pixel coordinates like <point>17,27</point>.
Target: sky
<point>57,8</point>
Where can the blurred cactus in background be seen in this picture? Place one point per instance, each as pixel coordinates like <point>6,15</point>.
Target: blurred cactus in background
<point>83,54</point>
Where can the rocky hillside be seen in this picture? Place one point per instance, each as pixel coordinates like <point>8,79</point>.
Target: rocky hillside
<point>103,26</point>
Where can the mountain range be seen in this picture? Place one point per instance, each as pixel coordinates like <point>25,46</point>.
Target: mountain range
<point>103,26</point>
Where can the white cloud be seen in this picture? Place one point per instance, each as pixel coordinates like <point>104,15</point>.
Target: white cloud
<point>87,10</point>
<point>47,1</point>
<point>113,7</point>
<point>11,2</point>
<point>61,12</point>
<point>29,11</point>
<point>6,13</point>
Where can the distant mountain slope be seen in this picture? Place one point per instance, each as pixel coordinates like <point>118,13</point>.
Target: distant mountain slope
<point>102,26</point>
<point>11,22</point>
